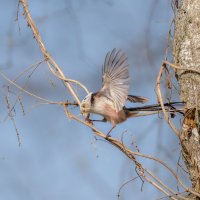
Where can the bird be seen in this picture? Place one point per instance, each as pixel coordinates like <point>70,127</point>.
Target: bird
<point>110,100</point>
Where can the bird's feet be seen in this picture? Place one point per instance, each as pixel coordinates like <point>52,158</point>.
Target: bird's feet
<point>108,134</point>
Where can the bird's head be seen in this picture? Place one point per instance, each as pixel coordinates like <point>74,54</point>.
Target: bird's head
<point>85,106</point>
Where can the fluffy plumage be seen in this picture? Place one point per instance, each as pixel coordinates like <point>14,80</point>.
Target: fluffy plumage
<point>110,99</point>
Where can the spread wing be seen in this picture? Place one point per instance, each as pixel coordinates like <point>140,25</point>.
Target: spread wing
<point>137,99</point>
<point>116,78</point>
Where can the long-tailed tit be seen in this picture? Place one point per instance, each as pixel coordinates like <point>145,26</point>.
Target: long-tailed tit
<point>110,99</point>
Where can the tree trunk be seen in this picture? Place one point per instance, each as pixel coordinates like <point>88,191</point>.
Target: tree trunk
<point>186,52</point>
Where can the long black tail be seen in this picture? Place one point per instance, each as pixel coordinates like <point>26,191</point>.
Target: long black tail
<point>171,107</point>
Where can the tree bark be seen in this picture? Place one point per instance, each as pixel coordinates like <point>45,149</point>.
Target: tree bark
<point>186,52</point>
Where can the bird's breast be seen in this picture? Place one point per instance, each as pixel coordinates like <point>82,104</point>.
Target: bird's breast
<point>105,107</point>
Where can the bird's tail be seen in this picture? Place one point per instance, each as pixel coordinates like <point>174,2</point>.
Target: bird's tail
<point>172,108</point>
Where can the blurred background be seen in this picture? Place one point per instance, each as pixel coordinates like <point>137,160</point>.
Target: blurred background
<point>60,158</point>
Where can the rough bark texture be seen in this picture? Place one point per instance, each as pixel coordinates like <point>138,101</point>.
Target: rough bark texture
<point>186,52</point>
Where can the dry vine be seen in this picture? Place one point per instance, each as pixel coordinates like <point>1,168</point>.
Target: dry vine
<point>58,73</point>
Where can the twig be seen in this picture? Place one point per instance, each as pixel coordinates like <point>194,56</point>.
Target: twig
<point>125,150</point>
<point>124,184</point>
<point>49,60</point>
<point>27,92</point>
<point>160,99</point>
<point>13,120</point>
<point>180,68</point>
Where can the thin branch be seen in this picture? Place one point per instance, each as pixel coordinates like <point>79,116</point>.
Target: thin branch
<point>27,92</point>
<point>124,149</point>
<point>181,68</point>
<point>124,184</point>
<point>50,61</point>
<point>160,100</point>
<point>12,119</point>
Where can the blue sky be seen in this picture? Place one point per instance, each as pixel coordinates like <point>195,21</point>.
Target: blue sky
<point>59,158</point>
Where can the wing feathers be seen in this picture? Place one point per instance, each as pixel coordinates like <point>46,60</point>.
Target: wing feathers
<point>136,99</point>
<point>116,78</point>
